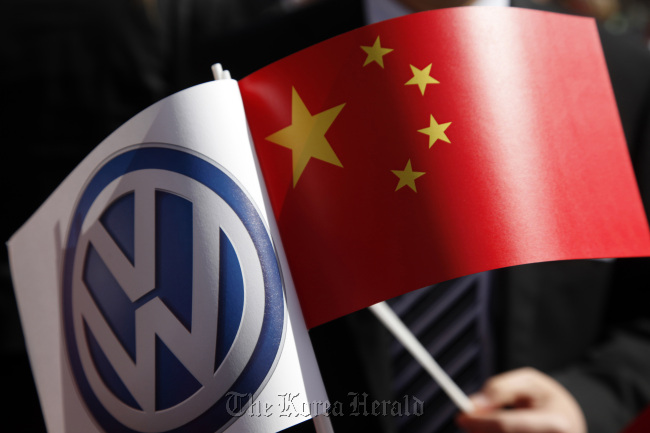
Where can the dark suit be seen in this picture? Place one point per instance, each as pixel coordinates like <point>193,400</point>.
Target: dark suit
<point>587,323</point>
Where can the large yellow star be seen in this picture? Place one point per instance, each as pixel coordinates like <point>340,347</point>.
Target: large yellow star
<point>421,77</point>
<point>435,131</point>
<point>306,135</point>
<point>375,53</point>
<point>407,176</point>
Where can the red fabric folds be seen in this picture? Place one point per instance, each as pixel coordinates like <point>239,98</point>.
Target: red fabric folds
<point>442,144</point>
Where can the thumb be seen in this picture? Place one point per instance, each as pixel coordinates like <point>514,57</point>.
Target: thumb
<point>518,388</point>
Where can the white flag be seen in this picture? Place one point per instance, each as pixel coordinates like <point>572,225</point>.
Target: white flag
<point>151,287</point>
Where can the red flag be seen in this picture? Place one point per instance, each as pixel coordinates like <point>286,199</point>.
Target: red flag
<point>438,145</point>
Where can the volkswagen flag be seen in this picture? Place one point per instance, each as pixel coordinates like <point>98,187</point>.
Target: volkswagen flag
<point>150,283</point>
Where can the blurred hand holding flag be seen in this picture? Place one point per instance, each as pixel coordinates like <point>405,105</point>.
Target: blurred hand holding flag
<point>438,145</point>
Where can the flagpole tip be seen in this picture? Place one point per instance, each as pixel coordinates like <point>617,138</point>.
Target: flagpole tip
<point>219,73</point>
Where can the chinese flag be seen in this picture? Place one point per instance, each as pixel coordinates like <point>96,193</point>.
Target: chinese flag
<point>438,145</point>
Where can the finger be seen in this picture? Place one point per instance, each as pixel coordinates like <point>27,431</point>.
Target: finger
<point>512,421</point>
<point>519,388</point>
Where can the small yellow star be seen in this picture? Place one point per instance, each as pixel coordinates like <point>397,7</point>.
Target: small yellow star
<point>375,53</point>
<point>306,135</point>
<point>421,77</point>
<point>435,131</point>
<point>407,176</point>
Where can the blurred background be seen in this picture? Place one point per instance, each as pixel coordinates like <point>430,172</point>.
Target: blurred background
<point>72,71</point>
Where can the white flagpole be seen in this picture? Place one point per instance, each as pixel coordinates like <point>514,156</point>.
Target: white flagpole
<point>323,424</point>
<point>219,73</point>
<point>394,324</point>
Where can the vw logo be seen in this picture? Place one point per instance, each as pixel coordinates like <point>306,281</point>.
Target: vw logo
<point>172,294</point>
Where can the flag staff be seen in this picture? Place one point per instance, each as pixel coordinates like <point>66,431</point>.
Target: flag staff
<point>323,424</point>
<point>219,73</point>
<point>404,335</point>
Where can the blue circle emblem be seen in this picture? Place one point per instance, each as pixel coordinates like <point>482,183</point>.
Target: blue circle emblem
<point>172,294</point>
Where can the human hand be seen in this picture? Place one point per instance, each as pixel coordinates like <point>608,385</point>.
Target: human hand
<point>523,401</point>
